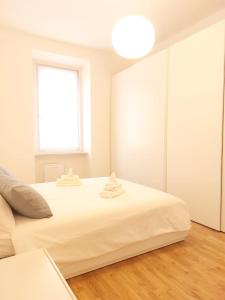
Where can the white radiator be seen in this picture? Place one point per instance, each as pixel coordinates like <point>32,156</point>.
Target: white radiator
<point>53,171</point>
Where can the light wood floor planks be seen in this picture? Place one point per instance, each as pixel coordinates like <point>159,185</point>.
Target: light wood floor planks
<point>193,269</point>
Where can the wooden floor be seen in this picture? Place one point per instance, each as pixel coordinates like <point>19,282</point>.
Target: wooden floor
<point>193,269</point>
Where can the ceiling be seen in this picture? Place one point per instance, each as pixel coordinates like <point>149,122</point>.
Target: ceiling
<point>90,22</point>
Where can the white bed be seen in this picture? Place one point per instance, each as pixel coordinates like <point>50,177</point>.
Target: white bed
<point>87,232</point>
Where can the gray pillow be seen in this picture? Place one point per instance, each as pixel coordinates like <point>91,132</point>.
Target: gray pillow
<point>23,198</point>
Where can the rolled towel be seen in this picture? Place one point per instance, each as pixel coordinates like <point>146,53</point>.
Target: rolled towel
<point>112,188</point>
<point>69,179</point>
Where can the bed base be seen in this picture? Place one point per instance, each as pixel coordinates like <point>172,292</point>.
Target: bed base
<point>71,269</point>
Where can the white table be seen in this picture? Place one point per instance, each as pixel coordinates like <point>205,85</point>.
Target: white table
<point>32,276</point>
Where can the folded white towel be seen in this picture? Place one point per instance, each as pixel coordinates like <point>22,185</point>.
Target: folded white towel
<point>69,179</point>
<point>112,188</point>
<point>108,194</point>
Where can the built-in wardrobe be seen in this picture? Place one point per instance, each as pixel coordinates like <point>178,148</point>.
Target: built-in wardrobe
<point>167,123</point>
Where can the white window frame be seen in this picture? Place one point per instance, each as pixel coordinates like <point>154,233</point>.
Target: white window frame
<point>77,69</point>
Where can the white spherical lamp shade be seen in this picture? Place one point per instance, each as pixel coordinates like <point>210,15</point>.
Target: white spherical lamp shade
<point>133,37</point>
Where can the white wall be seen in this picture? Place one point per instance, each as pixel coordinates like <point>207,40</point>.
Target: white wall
<point>17,106</point>
<point>138,121</point>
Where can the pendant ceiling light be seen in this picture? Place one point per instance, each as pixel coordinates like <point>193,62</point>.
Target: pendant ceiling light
<point>133,37</point>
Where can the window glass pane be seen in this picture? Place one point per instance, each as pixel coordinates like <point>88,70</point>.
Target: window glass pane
<point>58,109</point>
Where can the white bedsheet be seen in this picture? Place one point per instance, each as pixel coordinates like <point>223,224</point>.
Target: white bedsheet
<point>90,226</point>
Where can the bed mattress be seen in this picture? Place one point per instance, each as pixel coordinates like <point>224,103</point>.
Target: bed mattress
<point>88,231</point>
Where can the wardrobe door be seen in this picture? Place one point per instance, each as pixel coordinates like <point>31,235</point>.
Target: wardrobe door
<point>139,96</point>
<point>195,109</point>
<point>223,168</point>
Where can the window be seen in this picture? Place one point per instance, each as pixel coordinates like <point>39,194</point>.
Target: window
<point>58,109</point>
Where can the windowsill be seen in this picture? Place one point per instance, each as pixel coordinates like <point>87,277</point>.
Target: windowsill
<point>42,153</point>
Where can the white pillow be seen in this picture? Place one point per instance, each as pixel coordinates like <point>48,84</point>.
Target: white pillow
<point>7,225</point>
